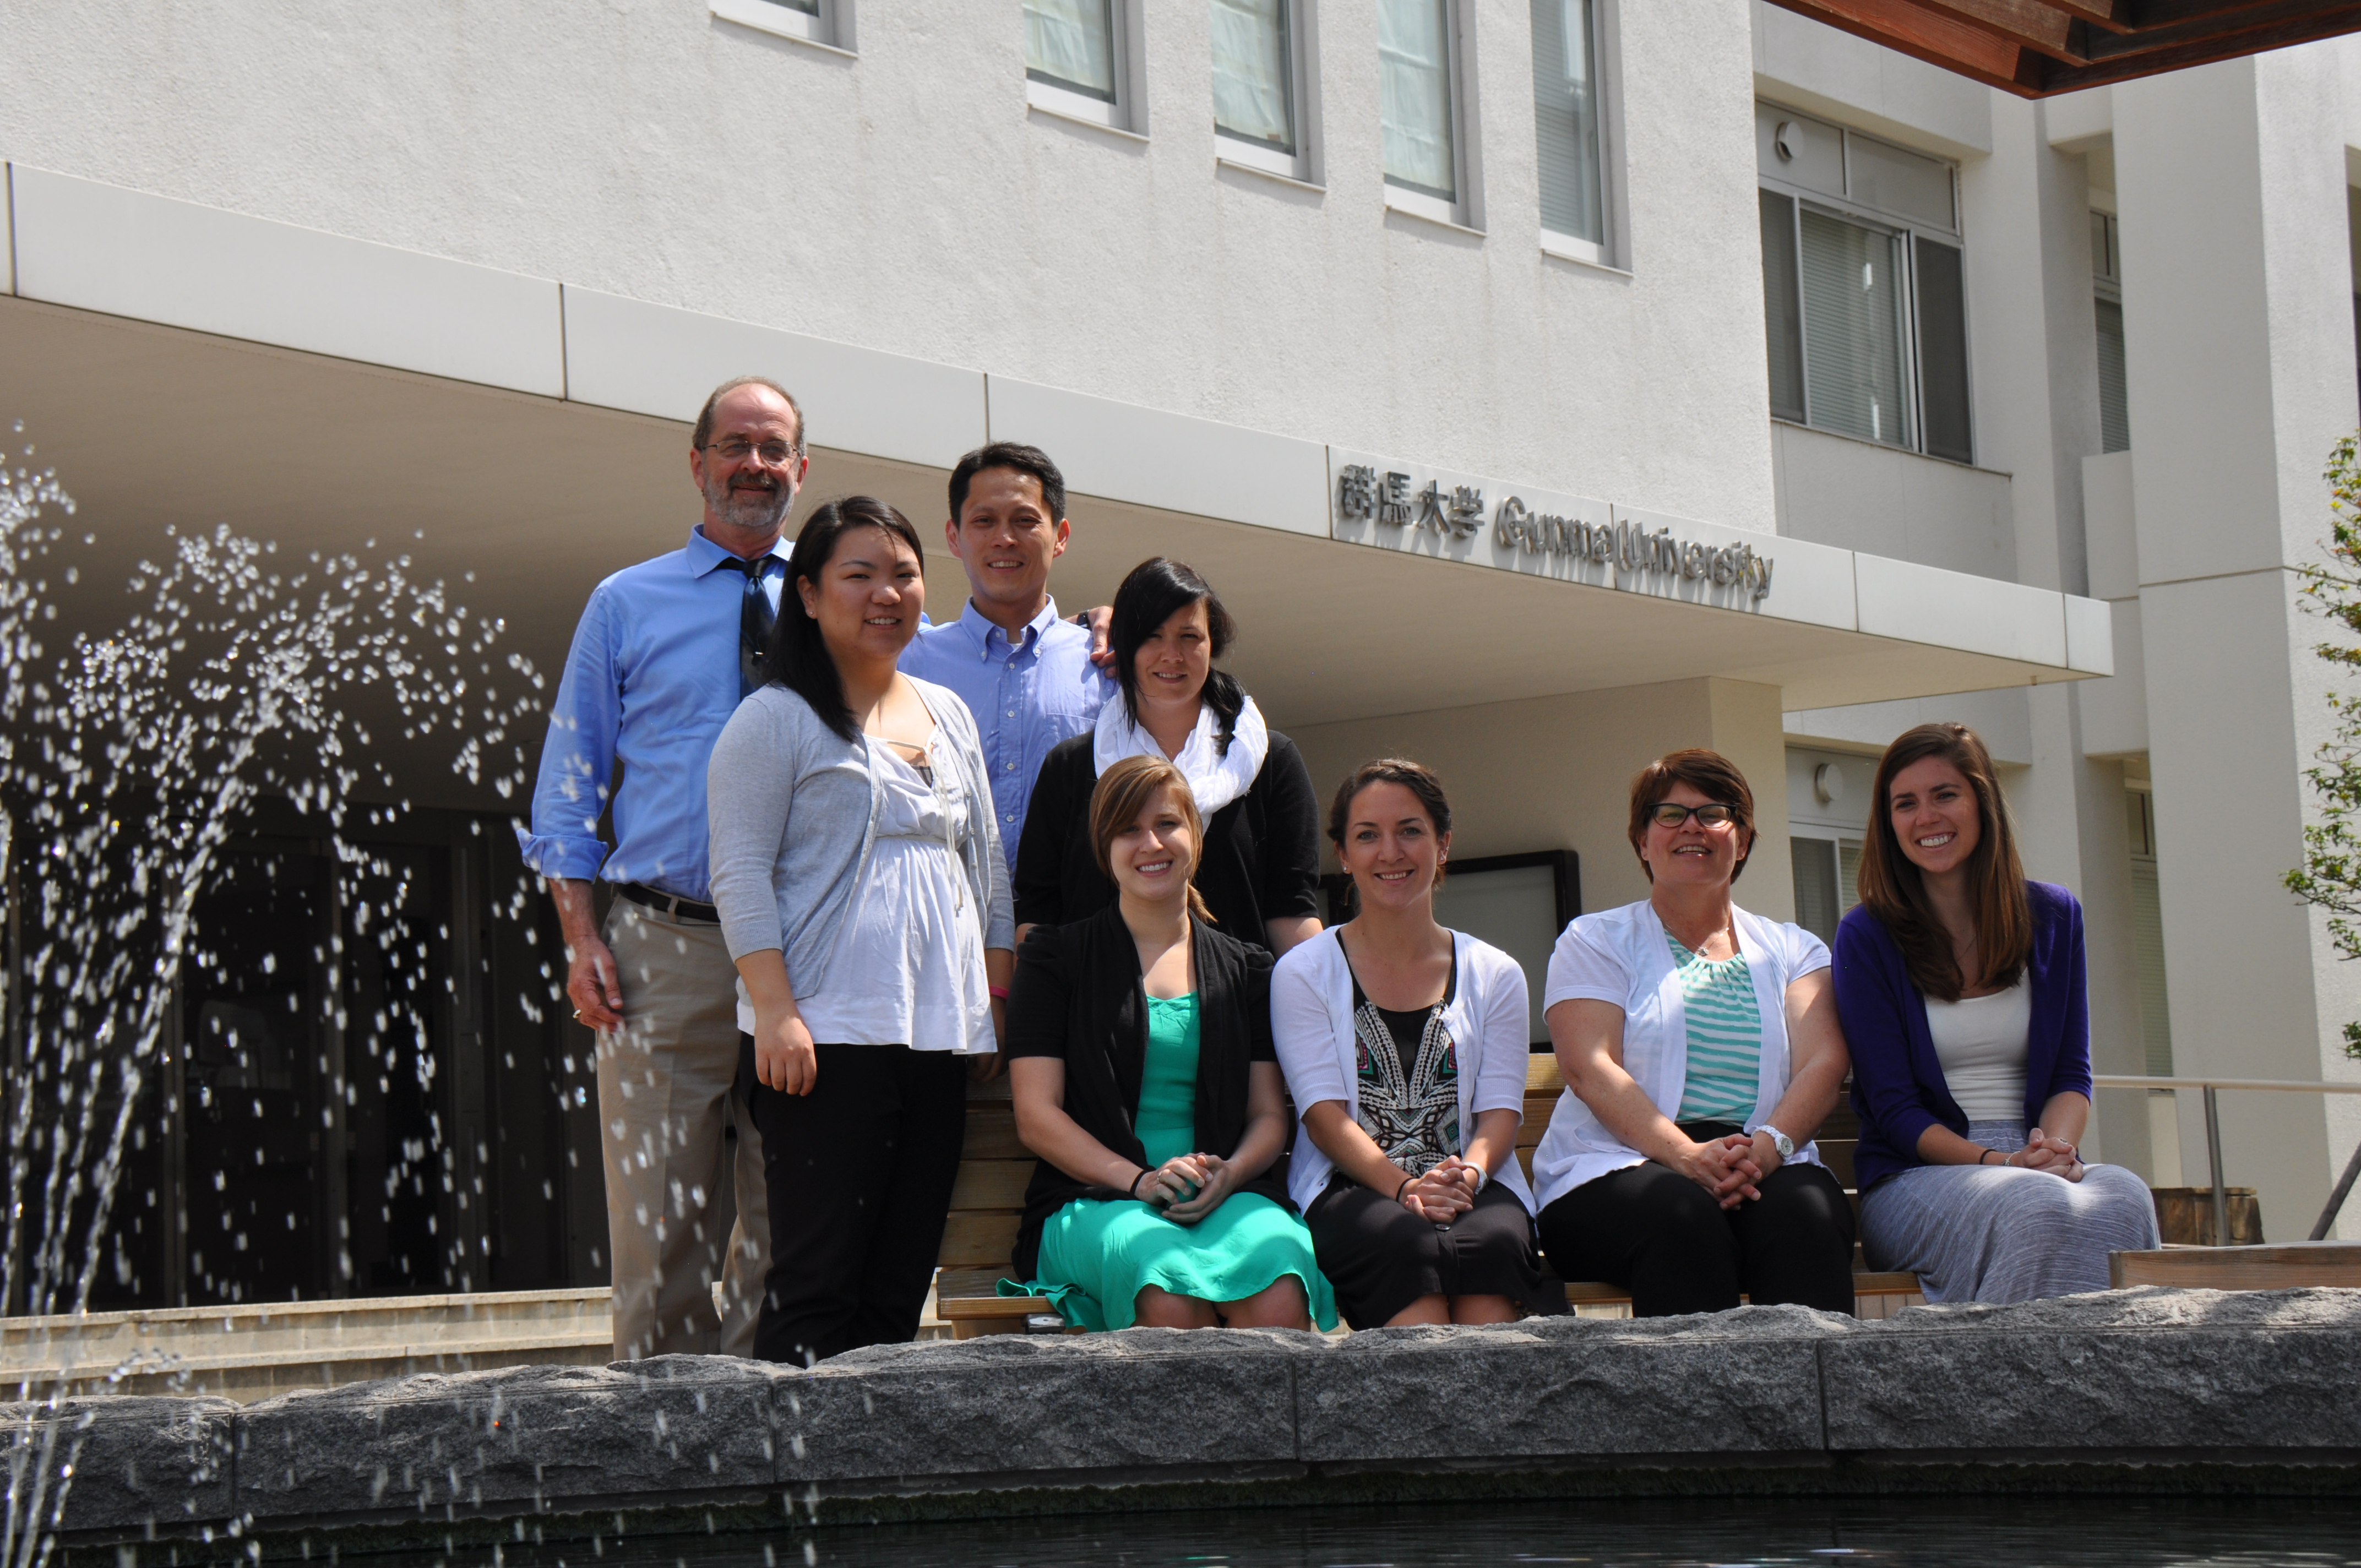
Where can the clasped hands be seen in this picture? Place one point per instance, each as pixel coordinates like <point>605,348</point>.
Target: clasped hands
<point>1445,1193</point>
<point>2042,1152</point>
<point>1187,1187</point>
<point>1730,1169</point>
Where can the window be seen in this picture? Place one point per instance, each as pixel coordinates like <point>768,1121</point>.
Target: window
<point>1828,878</point>
<point>1418,101</point>
<point>1864,287</point>
<point>828,23</point>
<point>1567,125</point>
<point>1259,86</point>
<point>1075,53</point>
<point>2106,283</point>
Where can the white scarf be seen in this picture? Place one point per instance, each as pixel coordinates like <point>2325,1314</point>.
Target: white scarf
<point>1216,779</point>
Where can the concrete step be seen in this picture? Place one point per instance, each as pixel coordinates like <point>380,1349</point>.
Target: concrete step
<point>254,1350</point>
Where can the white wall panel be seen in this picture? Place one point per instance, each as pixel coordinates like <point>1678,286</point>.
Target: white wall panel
<point>1920,604</point>
<point>2000,716</point>
<point>2077,122</point>
<point>1858,495</point>
<point>2110,530</point>
<point>1127,452</point>
<point>2114,711</point>
<point>653,359</point>
<point>101,248</point>
<point>2090,635</point>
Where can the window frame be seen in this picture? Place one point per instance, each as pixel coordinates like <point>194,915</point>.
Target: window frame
<point>1461,211</point>
<point>1908,230</point>
<point>1303,164</point>
<point>1604,61</point>
<point>831,29</point>
<point>1127,115</point>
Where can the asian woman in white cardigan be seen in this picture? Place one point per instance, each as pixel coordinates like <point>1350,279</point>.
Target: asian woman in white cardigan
<point>1701,1052</point>
<point>1405,1045</point>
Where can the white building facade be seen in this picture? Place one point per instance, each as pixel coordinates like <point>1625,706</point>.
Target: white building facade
<point>1545,384</point>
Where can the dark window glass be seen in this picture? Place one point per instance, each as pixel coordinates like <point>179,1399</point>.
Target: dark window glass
<point>1783,307</point>
<point>1943,351</point>
<point>2115,410</point>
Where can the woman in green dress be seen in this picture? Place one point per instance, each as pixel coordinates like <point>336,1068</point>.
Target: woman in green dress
<point>1141,1063</point>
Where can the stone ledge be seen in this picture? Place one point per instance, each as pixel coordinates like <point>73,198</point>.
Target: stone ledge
<point>2088,1391</point>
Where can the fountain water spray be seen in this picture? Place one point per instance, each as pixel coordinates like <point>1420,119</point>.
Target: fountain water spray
<point>129,760</point>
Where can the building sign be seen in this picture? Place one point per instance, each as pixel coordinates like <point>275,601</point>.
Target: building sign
<point>1429,513</point>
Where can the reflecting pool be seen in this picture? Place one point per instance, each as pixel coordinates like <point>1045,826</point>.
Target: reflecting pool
<point>1994,1531</point>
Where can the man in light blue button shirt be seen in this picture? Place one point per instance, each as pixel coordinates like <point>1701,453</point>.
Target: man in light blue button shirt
<point>1027,675</point>
<point>659,663</point>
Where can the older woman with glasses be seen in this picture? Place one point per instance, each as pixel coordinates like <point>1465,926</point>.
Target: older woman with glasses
<point>1701,1052</point>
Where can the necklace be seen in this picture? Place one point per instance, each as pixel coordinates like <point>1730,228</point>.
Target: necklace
<point>1698,948</point>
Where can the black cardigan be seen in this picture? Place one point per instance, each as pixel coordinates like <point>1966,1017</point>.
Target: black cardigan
<point>1078,996</point>
<point>1260,862</point>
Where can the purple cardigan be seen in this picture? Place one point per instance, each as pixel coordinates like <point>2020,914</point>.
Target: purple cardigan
<point>1897,1085</point>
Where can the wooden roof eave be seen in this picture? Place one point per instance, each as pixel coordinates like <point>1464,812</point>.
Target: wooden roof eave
<point>2038,47</point>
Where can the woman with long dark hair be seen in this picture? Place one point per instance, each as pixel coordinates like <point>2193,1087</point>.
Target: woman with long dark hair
<point>1141,1066</point>
<point>1260,869</point>
<point>1962,992</point>
<point>865,899</point>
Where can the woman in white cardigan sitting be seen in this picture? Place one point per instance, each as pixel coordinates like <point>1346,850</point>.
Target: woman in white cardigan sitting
<point>1701,1052</point>
<point>1405,1045</point>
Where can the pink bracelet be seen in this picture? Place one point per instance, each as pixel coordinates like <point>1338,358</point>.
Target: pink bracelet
<point>999,992</point>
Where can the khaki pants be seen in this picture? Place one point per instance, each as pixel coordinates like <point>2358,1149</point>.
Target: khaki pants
<point>666,1090</point>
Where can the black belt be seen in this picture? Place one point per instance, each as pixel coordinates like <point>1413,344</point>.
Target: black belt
<point>680,908</point>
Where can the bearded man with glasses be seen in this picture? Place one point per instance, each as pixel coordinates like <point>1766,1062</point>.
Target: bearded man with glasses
<point>1701,1051</point>
<point>664,652</point>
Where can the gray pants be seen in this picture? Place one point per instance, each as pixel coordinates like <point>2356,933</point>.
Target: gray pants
<point>666,1091</point>
<point>1992,1232</point>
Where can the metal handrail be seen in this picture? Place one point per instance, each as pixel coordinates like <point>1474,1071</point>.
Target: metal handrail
<point>2114,1080</point>
<point>2214,1136</point>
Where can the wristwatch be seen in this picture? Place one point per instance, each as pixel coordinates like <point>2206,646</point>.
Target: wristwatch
<point>1780,1141</point>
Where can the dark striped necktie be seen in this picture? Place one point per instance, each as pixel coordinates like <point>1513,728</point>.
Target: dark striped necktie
<point>754,620</point>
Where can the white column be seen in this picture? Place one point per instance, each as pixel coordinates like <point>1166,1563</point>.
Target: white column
<point>2238,323</point>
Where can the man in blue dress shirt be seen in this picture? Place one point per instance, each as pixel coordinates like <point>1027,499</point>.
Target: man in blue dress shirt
<point>663,655</point>
<point>1027,675</point>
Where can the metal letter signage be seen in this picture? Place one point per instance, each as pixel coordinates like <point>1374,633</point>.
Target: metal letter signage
<point>1629,546</point>
<point>1467,511</point>
<point>1357,491</point>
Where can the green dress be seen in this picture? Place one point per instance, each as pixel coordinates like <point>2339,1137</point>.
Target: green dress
<point>1097,1256</point>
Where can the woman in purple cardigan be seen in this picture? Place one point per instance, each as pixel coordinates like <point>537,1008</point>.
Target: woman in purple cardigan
<point>1962,989</point>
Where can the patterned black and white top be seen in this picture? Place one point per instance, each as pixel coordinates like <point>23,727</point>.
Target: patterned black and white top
<point>1407,1066</point>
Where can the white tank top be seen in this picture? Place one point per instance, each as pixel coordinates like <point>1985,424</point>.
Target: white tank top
<point>1981,1042</point>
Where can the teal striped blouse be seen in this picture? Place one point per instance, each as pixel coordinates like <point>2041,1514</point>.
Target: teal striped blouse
<point>1724,1031</point>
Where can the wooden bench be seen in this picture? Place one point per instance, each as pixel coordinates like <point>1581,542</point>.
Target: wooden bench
<point>2284,1266</point>
<point>989,1198</point>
